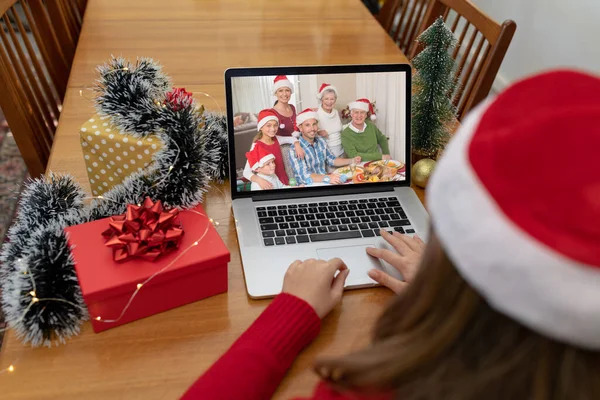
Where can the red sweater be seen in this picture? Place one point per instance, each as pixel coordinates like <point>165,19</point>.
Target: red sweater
<point>257,362</point>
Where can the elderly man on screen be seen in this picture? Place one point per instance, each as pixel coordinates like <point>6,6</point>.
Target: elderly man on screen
<point>317,155</point>
<point>361,137</point>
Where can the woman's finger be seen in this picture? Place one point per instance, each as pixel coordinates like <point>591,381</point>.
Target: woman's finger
<point>396,260</point>
<point>337,288</point>
<point>386,280</point>
<point>399,245</point>
<point>336,264</point>
<point>410,242</point>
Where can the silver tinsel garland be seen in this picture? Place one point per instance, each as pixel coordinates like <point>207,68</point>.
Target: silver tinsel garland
<point>36,260</point>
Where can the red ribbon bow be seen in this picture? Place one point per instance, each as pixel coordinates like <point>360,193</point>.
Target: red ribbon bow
<point>178,99</point>
<point>145,231</point>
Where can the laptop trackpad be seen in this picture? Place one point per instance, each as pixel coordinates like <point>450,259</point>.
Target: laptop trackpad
<point>357,260</point>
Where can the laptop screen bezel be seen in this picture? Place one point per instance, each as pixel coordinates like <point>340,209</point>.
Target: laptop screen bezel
<point>314,70</point>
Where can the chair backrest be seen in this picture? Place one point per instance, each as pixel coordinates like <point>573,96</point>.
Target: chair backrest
<point>480,49</point>
<point>402,20</point>
<point>37,45</point>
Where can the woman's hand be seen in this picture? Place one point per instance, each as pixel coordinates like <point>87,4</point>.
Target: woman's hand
<point>386,157</point>
<point>324,133</point>
<point>313,281</point>
<point>406,260</point>
<point>299,150</point>
<point>263,183</point>
<point>355,160</point>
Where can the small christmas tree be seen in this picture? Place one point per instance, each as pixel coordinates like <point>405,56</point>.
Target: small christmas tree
<point>434,81</point>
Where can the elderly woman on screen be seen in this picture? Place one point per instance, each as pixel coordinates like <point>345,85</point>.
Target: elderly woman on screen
<point>361,137</point>
<point>330,124</point>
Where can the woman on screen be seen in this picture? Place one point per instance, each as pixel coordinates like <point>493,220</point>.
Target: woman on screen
<point>330,124</point>
<point>283,89</point>
<point>501,303</point>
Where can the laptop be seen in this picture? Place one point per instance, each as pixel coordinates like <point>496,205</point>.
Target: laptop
<point>309,218</point>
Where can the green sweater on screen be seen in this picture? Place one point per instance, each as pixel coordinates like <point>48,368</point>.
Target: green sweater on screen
<point>366,144</point>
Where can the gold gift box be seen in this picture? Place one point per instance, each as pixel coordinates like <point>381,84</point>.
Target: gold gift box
<point>110,156</point>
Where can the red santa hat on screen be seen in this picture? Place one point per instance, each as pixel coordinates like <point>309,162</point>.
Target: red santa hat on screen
<point>282,81</point>
<point>518,218</point>
<point>364,105</point>
<point>265,116</point>
<point>323,88</point>
<point>258,157</point>
<point>305,115</point>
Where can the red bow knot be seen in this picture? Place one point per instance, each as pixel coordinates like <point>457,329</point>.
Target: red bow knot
<point>146,231</point>
<point>178,99</point>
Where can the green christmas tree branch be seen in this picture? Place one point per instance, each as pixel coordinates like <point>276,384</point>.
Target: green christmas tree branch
<point>432,108</point>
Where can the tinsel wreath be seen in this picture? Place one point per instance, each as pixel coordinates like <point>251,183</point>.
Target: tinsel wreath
<point>37,259</point>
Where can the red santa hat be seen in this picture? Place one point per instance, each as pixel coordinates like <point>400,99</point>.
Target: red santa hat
<point>364,105</point>
<point>305,115</point>
<point>258,157</point>
<point>265,116</point>
<point>323,88</point>
<point>282,81</point>
<point>515,201</point>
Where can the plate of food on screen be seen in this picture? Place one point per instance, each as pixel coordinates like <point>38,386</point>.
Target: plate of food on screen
<point>383,171</point>
<point>349,171</point>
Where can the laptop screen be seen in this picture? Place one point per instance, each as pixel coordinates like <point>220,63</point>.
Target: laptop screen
<point>318,130</point>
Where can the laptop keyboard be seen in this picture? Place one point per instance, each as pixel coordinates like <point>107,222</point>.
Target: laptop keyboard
<point>331,220</point>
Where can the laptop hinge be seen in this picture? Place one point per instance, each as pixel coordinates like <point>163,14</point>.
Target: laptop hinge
<point>289,194</point>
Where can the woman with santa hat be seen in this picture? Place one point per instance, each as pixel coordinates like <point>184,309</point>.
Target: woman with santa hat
<point>503,302</point>
<point>286,112</point>
<point>330,124</point>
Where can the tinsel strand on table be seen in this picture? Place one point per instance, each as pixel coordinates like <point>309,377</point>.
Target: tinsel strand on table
<point>137,99</point>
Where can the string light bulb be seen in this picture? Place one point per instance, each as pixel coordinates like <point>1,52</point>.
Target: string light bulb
<point>98,318</point>
<point>32,293</point>
<point>35,300</point>
<point>139,286</point>
<point>11,368</point>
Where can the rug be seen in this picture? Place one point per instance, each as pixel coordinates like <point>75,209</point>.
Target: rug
<point>13,173</point>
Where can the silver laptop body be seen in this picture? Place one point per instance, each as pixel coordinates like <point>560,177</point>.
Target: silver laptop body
<point>268,222</point>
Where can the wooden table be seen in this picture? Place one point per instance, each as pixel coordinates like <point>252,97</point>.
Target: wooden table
<point>160,356</point>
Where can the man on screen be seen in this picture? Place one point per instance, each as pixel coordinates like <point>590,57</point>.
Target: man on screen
<point>317,155</point>
<point>361,137</point>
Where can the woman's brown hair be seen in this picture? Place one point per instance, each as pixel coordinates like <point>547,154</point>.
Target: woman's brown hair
<point>441,340</point>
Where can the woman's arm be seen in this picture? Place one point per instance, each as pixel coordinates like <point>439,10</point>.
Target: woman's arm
<point>257,362</point>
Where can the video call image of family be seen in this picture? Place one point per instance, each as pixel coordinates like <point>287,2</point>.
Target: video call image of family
<point>315,130</point>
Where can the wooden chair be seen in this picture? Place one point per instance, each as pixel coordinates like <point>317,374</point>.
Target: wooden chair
<point>480,49</point>
<point>402,20</point>
<point>37,45</point>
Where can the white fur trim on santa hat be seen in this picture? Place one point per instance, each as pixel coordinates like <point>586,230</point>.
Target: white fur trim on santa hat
<point>326,88</point>
<point>517,275</point>
<point>262,161</point>
<point>305,116</point>
<point>283,83</point>
<point>266,119</point>
<point>359,105</point>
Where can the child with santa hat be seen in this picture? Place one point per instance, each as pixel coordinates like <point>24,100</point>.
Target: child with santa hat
<point>263,164</point>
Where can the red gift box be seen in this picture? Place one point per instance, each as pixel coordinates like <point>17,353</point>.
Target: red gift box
<point>107,286</point>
